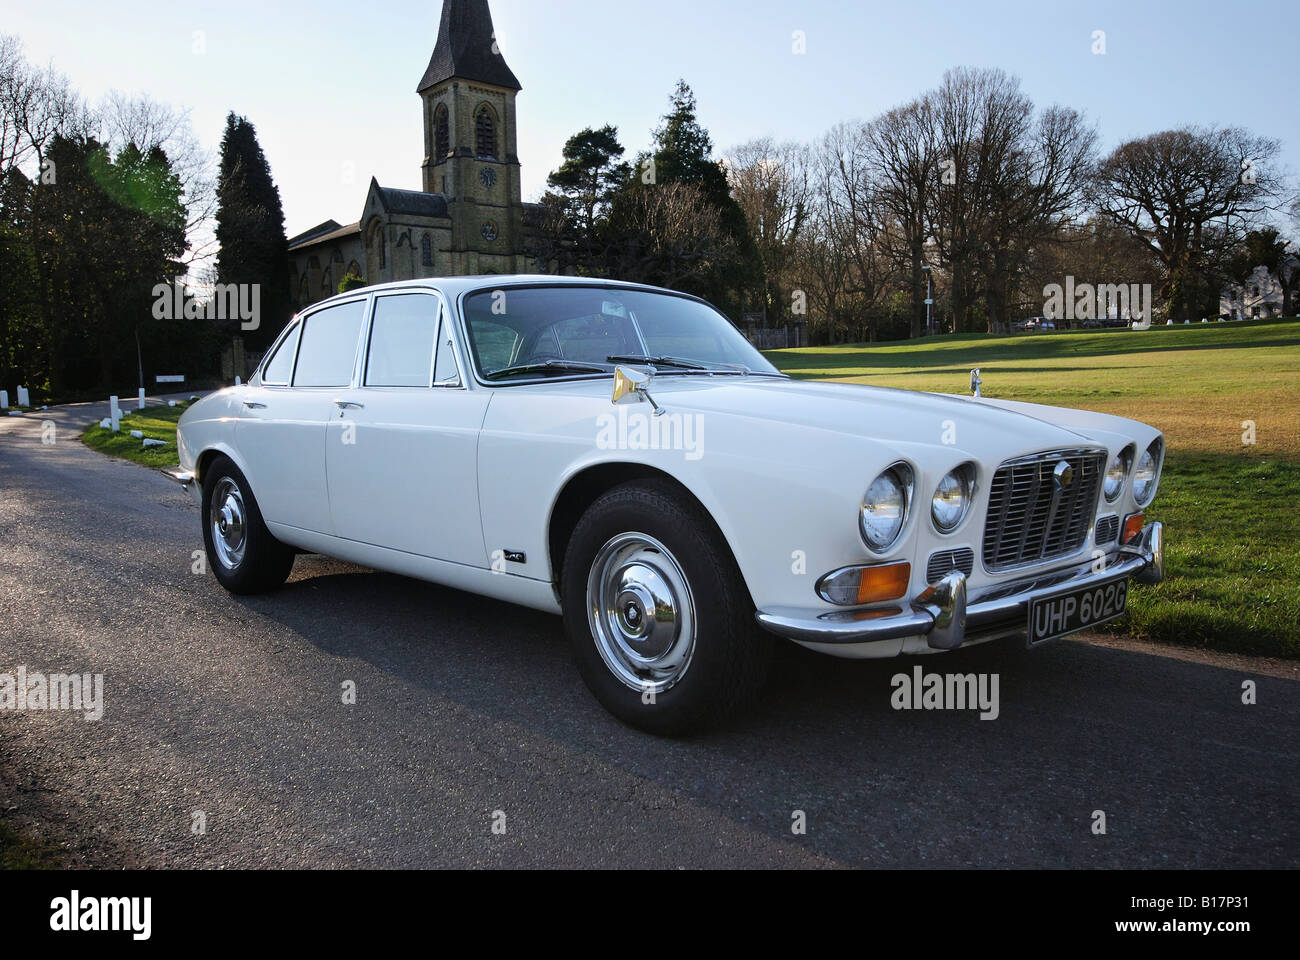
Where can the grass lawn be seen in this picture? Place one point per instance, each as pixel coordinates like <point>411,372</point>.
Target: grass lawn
<point>156,423</point>
<point>1230,508</point>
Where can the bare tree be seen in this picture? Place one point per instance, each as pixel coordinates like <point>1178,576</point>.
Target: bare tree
<point>771,182</point>
<point>669,234</point>
<point>35,106</point>
<point>853,216</point>
<point>1188,196</point>
<point>904,163</point>
<point>147,124</point>
<point>1033,195</point>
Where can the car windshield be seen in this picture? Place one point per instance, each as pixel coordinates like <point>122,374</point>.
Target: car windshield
<point>522,333</point>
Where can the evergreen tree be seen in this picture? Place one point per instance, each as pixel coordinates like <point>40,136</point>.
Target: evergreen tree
<point>583,189</point>
<point>683,154</point>
<point>250,230</point>
<point>108,233</point>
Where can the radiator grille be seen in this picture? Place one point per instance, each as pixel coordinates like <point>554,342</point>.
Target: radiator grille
<point>1107,529</point>
<point>1034,514</point>
<point>946,561</point>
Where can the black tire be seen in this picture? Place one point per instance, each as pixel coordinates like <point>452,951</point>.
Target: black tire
<point>730,654</point>
<point>264,563</point>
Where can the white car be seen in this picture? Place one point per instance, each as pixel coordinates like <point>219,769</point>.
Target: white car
<point>622,456</point>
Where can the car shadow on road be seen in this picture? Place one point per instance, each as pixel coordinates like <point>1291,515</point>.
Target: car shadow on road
<point>1158,746</point>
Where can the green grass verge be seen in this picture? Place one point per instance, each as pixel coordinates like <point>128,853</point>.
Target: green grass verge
<point>1232,527</point>
<point>156,423</point>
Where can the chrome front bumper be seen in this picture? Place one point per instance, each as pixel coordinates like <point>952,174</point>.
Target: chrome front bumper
<point>183,477</point>
<point>947,618</point>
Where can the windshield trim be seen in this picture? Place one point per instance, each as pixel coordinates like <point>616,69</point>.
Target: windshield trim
<point>477,373</point>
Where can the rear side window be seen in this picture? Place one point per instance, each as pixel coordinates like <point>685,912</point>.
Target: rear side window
<point>329,346</point>
<point>401,341</point>
<point>280,367</point>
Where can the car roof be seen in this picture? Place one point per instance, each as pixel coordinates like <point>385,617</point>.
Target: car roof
<point>454,286</point>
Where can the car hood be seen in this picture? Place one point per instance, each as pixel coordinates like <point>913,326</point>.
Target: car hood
<point>881,414</point>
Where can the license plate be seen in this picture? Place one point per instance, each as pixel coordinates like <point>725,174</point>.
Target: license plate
<point>1066,613</point>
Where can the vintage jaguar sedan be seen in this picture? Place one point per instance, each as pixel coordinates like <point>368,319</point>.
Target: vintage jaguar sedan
<point>622,456</point>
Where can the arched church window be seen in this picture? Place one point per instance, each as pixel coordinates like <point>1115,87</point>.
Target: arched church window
<point>426,250</point>
<point>485,134</point>
<point>441,133</point>
<point>383,249</point>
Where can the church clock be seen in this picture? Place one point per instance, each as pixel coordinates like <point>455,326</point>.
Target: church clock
<point>487,176</point>
<point>489,230</point>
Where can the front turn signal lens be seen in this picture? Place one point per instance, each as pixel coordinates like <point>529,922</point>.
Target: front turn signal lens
<point>857,585</point>
<point>1132,526</point>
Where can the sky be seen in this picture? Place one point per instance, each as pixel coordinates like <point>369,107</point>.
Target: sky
<point>330,86</point>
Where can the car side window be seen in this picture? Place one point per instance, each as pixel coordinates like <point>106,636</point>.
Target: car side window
<point>445,371</point>
<point>402,338</point>
<point>279,368</point>
<point>329,346</point>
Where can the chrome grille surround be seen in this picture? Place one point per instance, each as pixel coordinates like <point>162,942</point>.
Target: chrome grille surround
<point>1034,514</point>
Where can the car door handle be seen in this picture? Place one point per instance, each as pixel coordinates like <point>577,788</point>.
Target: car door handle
<point>254,405</point>
<point>349,405</point>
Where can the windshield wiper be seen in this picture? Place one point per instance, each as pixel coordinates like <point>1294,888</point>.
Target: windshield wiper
<point>549,366</point>
<point>660,362</point>
<point>686,364</point>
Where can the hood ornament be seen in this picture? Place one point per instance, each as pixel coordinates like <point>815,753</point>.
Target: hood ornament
<point>1063,475</point>
<point>975,381</point>
<point>633,386</point>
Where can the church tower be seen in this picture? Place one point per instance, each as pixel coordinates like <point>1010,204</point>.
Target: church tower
<point>470,139</point>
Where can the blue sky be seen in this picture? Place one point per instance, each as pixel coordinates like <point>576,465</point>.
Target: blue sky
<point>304,72</point>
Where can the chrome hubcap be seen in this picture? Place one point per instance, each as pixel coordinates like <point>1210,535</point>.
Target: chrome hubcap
<point>641,612</point>
<point>229,533</point>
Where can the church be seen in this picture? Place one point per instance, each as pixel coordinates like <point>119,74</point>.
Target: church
<point>469,217</point>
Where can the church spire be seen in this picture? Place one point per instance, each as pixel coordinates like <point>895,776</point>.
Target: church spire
<point>466,48</point>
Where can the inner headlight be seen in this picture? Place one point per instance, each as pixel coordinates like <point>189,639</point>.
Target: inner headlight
<point>1146,473</point>
<point>1117,473</point>
<point>952,498</point>
<point>884,507</point>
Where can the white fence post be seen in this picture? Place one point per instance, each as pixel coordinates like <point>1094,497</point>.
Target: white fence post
<point>142,398</point>
<point>114,414</point>
<point>24,398</point>
<point>4,399</point>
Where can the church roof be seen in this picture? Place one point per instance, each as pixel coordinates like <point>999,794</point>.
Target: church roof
<point>411,202</point>
<point>466,48</point>
<point>323,233</point>
<point>329,226</point>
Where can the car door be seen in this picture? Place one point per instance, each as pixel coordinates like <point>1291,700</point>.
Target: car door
<point>282,431</point>
<point>401,450</point>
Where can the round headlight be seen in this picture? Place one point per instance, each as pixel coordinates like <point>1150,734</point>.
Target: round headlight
<point>1117,473</point>
<point>951,500</point>
<point>1145,475</point>
<point>884,508</point>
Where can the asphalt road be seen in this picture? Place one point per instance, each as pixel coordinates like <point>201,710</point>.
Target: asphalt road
<point>466,706</point>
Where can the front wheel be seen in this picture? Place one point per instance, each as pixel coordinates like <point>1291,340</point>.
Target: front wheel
<point>243,554</point>
<point>661,624</point>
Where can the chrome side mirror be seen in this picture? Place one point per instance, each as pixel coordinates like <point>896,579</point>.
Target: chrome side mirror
<point>633,386</point>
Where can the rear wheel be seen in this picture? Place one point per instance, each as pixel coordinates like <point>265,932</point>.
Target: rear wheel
<point>242,553</point>
<point>658,616</point>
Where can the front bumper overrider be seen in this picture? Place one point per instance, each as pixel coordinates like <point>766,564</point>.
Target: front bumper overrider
<point>946,617</point>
